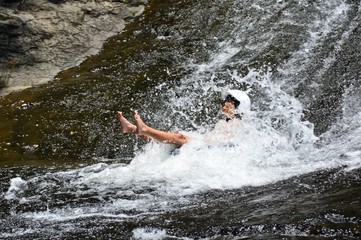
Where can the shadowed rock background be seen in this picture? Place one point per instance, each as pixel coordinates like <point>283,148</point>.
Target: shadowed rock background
<point>39,38</point>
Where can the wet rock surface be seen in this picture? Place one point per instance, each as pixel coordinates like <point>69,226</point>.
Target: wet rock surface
<point>39,38</point>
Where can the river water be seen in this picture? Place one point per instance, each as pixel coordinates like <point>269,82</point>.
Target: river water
<point>289,170</point>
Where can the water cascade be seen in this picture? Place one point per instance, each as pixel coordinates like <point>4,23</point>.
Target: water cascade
<point>289,169</point>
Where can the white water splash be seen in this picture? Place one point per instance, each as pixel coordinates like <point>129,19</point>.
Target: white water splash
<point>251,152</point>
<point>341,144</point>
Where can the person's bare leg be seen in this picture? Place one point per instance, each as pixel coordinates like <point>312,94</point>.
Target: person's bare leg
<point>127,127</point>
<point>161,136</point>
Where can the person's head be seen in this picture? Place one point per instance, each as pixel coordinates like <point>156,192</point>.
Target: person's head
<point>236,102</point>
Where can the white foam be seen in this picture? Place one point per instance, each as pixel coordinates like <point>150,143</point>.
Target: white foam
<point>232,155</point>
<point>341,144</point>
<point>17,185</point>
<point>16,233</point>
<point>153,233</point>
<point>149,233</point>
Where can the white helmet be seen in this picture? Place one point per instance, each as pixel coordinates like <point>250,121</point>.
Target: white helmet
<point>242,97</point>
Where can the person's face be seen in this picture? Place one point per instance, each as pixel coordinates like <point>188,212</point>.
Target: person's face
<point>228,108</point>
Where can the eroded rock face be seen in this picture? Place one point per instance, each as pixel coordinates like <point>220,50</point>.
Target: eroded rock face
<point>39,38</point>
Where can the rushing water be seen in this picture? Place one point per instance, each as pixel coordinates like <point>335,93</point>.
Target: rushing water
<point>290,169</point>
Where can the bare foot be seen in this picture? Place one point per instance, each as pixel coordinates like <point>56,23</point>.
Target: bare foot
<point>127,126</point>
<point>141,127</point>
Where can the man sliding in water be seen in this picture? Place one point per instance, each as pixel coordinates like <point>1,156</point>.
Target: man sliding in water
<point>236,103</point>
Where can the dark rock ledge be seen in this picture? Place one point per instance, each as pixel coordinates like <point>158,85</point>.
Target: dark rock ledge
<point>39,38</point>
